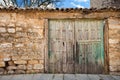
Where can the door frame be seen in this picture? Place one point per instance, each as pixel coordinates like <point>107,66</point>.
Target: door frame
<point>105,38</point>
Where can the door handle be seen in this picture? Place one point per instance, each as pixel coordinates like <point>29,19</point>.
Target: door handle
<point>63,43</point>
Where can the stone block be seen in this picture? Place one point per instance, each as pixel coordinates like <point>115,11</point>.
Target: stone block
<point>25,57</point>
<point>21,67</point>
<point>7,59</point>
<point>2,64</point>
<point>19,29</point>
<point>114,26</point>
<point>29,67</point>
<point>11,25</point>
<point>20,62</point>
<point>10,39</point>
<point>114,56</point>
<point>41,61</point>
<point>119,68</point>
<point>5,16</point>
<point>11,63</point>
<point>2,70</point>
<point>2,39</point>
<point>11,72</point>
<point>36,56</point>
<point>32,71</point>
<point>33,62</point>
<point>1,57</point>
<point>11,30</point>
<point>19,45</point>
<point>38,66</point>
<point>114,61</point>
<point>5,35</point>
<point>21,24</point>
<point>2,24</point>
<point>2,30</point>
<point>20,71</point>
<point>21,34</point>
<point>5,45</point>
<point>11,68</point>
<point>22,39</point>
<point>113,41</point>
<point>113,68</point>
<point>15,57</point>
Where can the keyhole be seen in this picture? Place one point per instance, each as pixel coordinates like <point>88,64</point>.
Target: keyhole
<point>63,44</point>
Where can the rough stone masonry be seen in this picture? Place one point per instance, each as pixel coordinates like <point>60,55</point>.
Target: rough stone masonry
<point>23,43</point>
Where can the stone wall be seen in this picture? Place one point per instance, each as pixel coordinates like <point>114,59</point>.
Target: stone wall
<point>23,40</point>
<point>105,3</point>
<point>114,45</point>
<point>21,44</point>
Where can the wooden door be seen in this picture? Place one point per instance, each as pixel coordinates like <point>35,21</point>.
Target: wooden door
<point>89,46</point>
<point>61,43</point>
<point>76,46</point>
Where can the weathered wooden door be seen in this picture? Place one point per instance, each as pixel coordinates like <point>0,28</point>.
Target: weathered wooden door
<point>61,41</point>
<point>76,46</point>
<point>89,46</point>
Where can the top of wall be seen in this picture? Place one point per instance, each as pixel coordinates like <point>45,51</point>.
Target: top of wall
<point>62,13</point>
<point>84,10</point>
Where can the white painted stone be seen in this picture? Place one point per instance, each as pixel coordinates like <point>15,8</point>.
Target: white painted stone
<point>20,62</point>
<point>113,68</point>
<point>7,59</point>
<point>11,30</point>
<point>19,45</point>
<point>5,45</point>
<point>113,41</point>
<point>36,26</point>
<point>2,30</point>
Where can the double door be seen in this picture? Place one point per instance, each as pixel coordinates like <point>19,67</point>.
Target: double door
<point>76,46</point>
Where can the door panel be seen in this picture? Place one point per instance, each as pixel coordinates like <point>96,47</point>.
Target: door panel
<point>61,38</point>
<point>89,44</point>
<point>76,46</point>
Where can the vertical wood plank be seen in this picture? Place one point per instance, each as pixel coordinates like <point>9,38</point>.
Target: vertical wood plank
<point>46,63</point>
<point>106,49</point>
